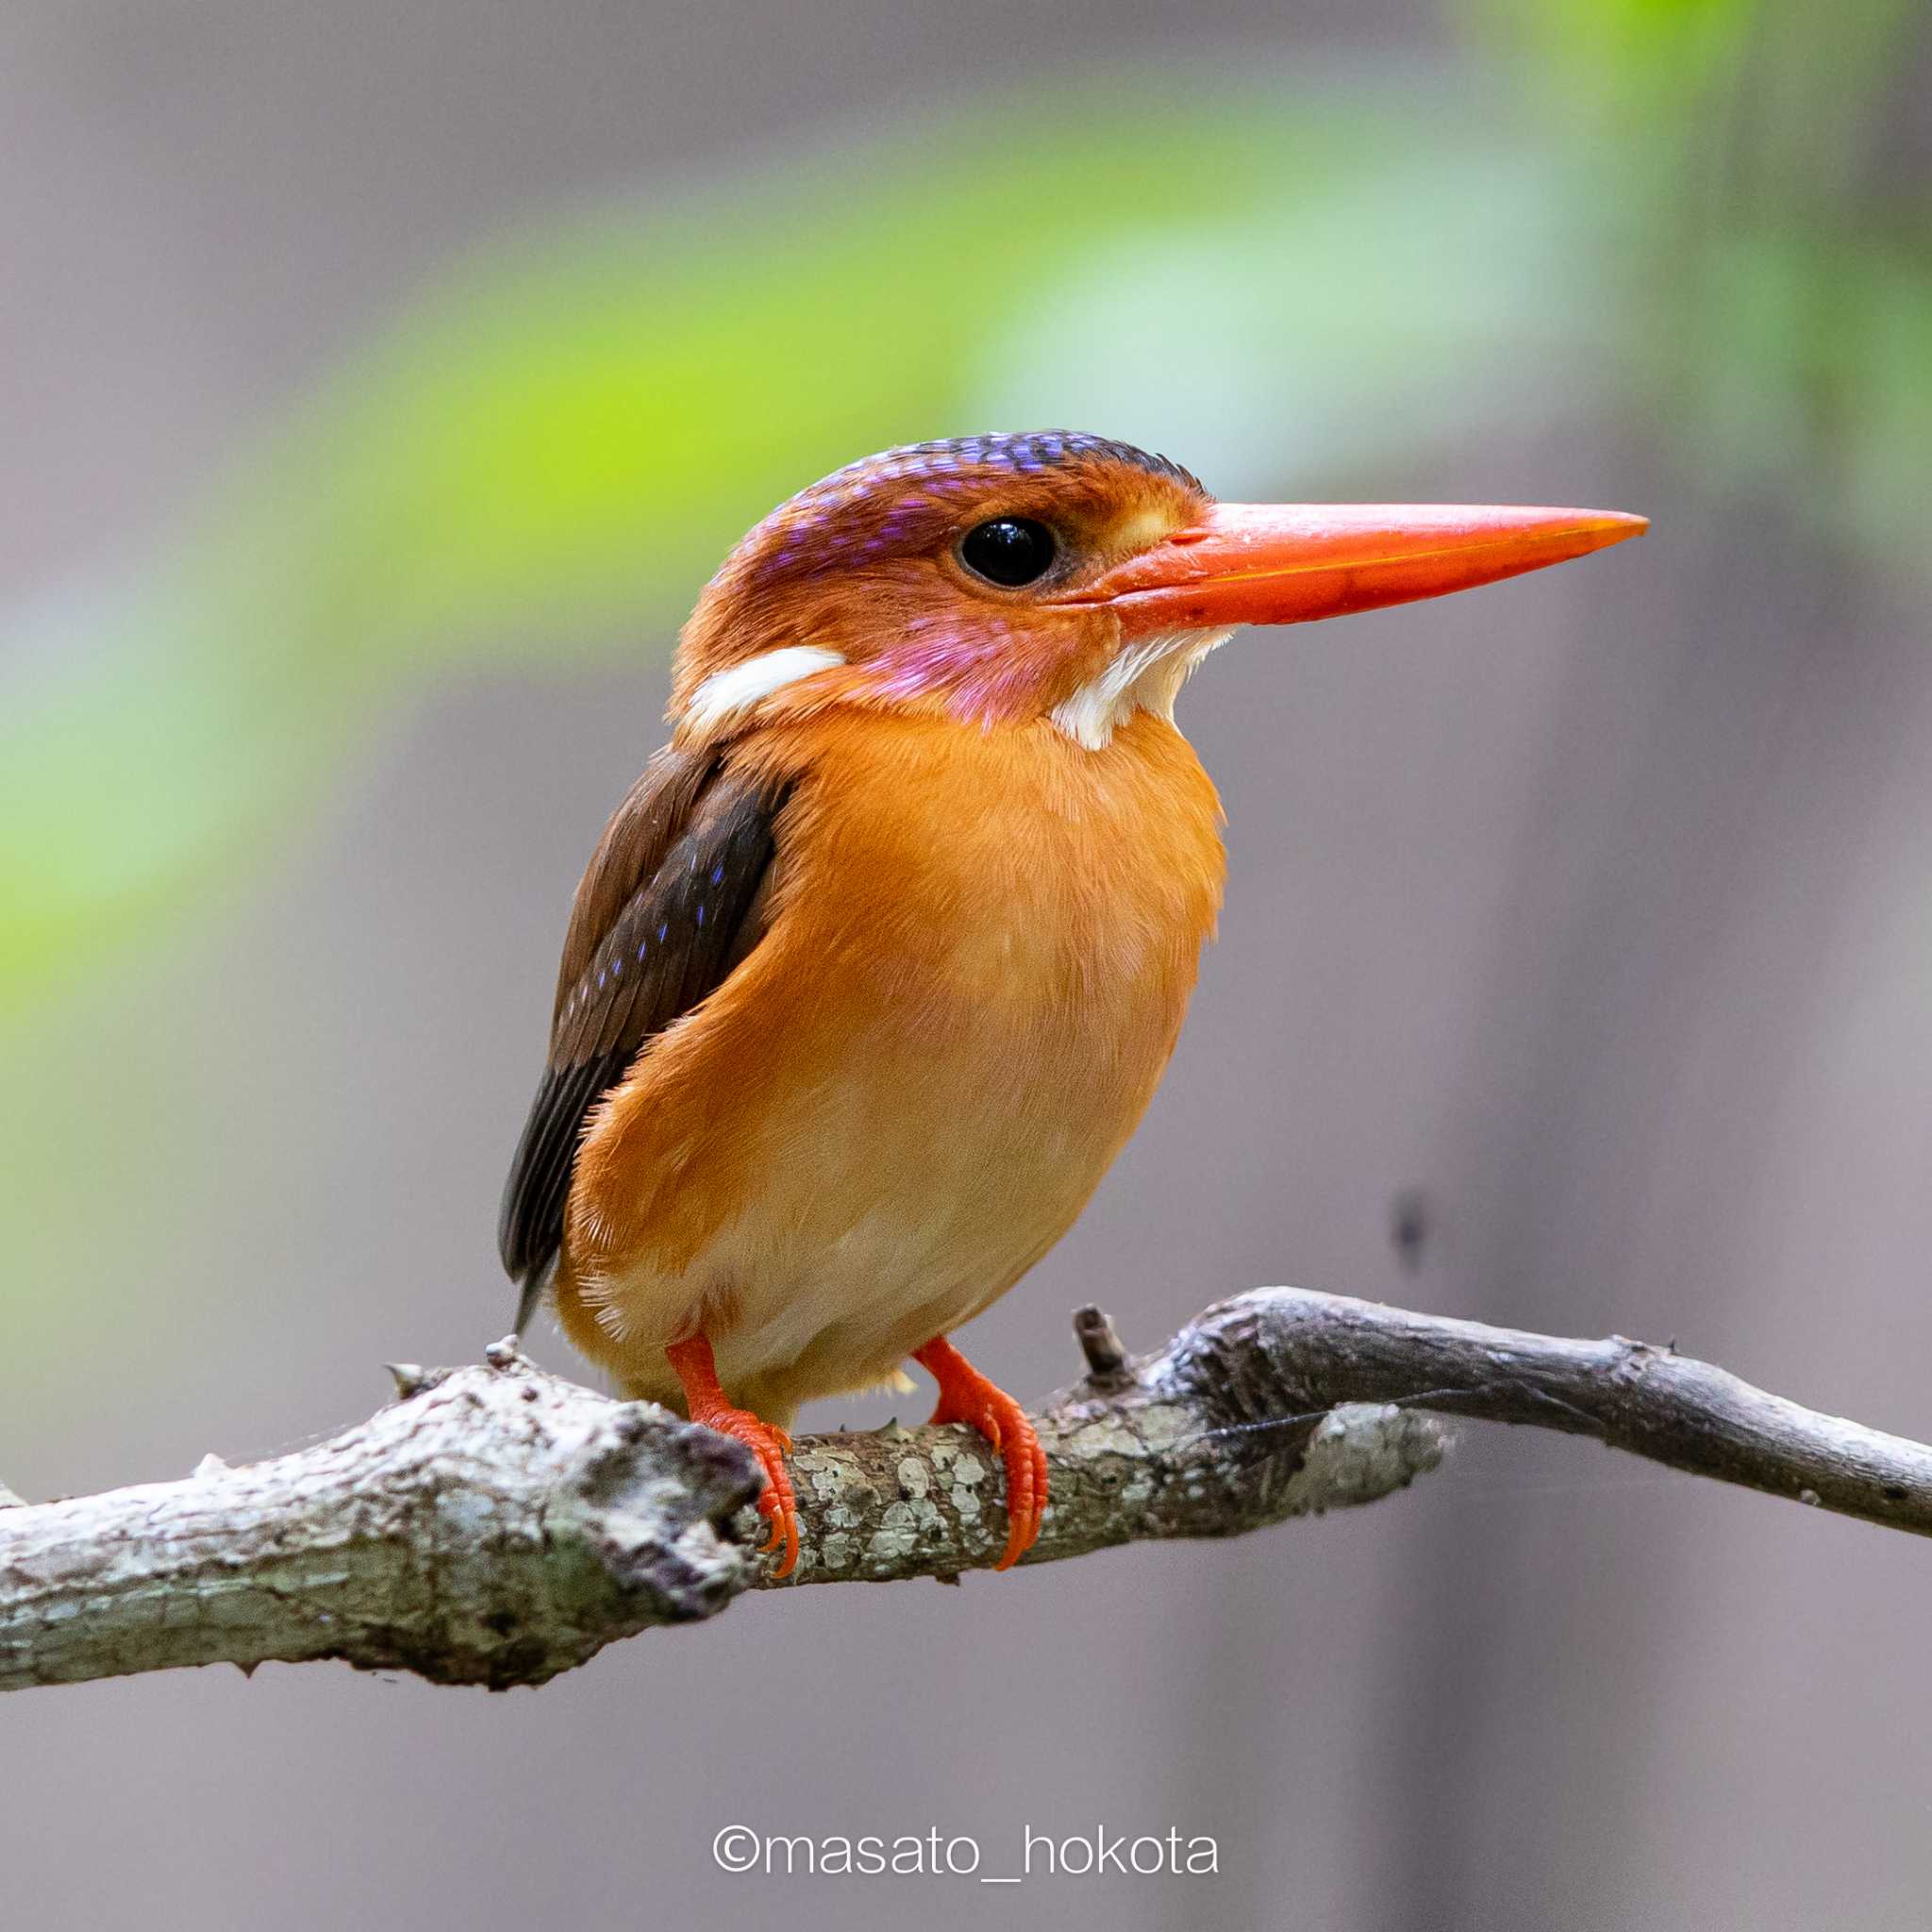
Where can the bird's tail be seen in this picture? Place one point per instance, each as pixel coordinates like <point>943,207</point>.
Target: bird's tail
<point>530,1291</point>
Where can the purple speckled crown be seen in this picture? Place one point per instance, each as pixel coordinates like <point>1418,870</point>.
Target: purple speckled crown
<point>936,469</point>
<point>1027,453</point>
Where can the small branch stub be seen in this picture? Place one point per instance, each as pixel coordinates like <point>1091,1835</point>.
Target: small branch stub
<point>1105,1358</point>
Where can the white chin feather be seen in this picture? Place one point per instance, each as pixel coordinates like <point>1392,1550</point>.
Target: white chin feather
<point>1145,677</point>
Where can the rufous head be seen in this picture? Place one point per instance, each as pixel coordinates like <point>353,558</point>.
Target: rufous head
<point>1055,579</point>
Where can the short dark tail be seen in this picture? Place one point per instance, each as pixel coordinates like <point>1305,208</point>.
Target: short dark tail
<point>530,1291</point>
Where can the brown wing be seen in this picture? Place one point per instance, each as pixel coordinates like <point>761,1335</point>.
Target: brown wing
<point>666,909</point>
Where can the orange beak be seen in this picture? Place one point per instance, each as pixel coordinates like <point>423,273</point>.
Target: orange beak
<point>1286,563</point>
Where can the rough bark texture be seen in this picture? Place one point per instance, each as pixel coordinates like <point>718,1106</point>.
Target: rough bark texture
<point>493,1525</point>
<point>497,1524</point>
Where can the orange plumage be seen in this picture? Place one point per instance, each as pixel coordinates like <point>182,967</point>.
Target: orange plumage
<point>879,965</point>
<point>977,953</point>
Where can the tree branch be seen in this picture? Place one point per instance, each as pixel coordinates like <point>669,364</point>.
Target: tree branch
<point>1631,1396</point>
<point>497,1525</point>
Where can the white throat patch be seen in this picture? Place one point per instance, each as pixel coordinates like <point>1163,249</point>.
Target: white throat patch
<point>1145,677</point>
<point>741,685</point>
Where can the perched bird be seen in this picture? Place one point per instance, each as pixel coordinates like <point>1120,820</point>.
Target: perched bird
<point>879,963</point>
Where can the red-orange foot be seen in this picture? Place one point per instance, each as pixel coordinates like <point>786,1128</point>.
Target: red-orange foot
<point>698,1372</point>
<point>967,1396</point>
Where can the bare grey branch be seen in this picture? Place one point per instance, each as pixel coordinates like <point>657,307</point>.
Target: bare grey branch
<point>497,1525</point>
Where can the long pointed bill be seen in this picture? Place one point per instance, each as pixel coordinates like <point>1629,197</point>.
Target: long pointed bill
<point>1288,563</point>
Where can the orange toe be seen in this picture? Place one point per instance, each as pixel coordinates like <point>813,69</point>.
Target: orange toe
<point>698,1373</point>
<point>777,1502</point>
<point>966,1396</point>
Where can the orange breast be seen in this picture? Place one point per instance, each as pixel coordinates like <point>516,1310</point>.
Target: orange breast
<point>980,951</point>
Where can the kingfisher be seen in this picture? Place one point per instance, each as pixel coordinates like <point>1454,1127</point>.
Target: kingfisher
<point>878,964</point>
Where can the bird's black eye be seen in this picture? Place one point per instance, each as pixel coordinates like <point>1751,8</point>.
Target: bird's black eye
<point>1008,551</point>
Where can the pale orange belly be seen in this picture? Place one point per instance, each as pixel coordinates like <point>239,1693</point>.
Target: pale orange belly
<point>894,1107</point>
<point>874,1209</point>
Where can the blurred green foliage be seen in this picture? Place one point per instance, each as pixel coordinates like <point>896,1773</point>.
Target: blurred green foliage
<point>1789,350</point>
<point>1673,214</point>
<point>1669,208</point>
<point>578,424</point>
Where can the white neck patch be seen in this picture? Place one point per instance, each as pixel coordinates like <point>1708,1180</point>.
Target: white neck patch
<point>739,685</point>
<point>1145,677</point>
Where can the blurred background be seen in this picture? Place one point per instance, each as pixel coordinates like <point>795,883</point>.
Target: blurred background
<point>377,387</point>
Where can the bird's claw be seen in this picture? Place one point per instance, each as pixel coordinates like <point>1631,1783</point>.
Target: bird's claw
<point>696,1367</point>
<point>970,1398</point>
<point>777,1500</point>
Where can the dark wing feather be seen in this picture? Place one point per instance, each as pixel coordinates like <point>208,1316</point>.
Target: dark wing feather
<point>667,905</point>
